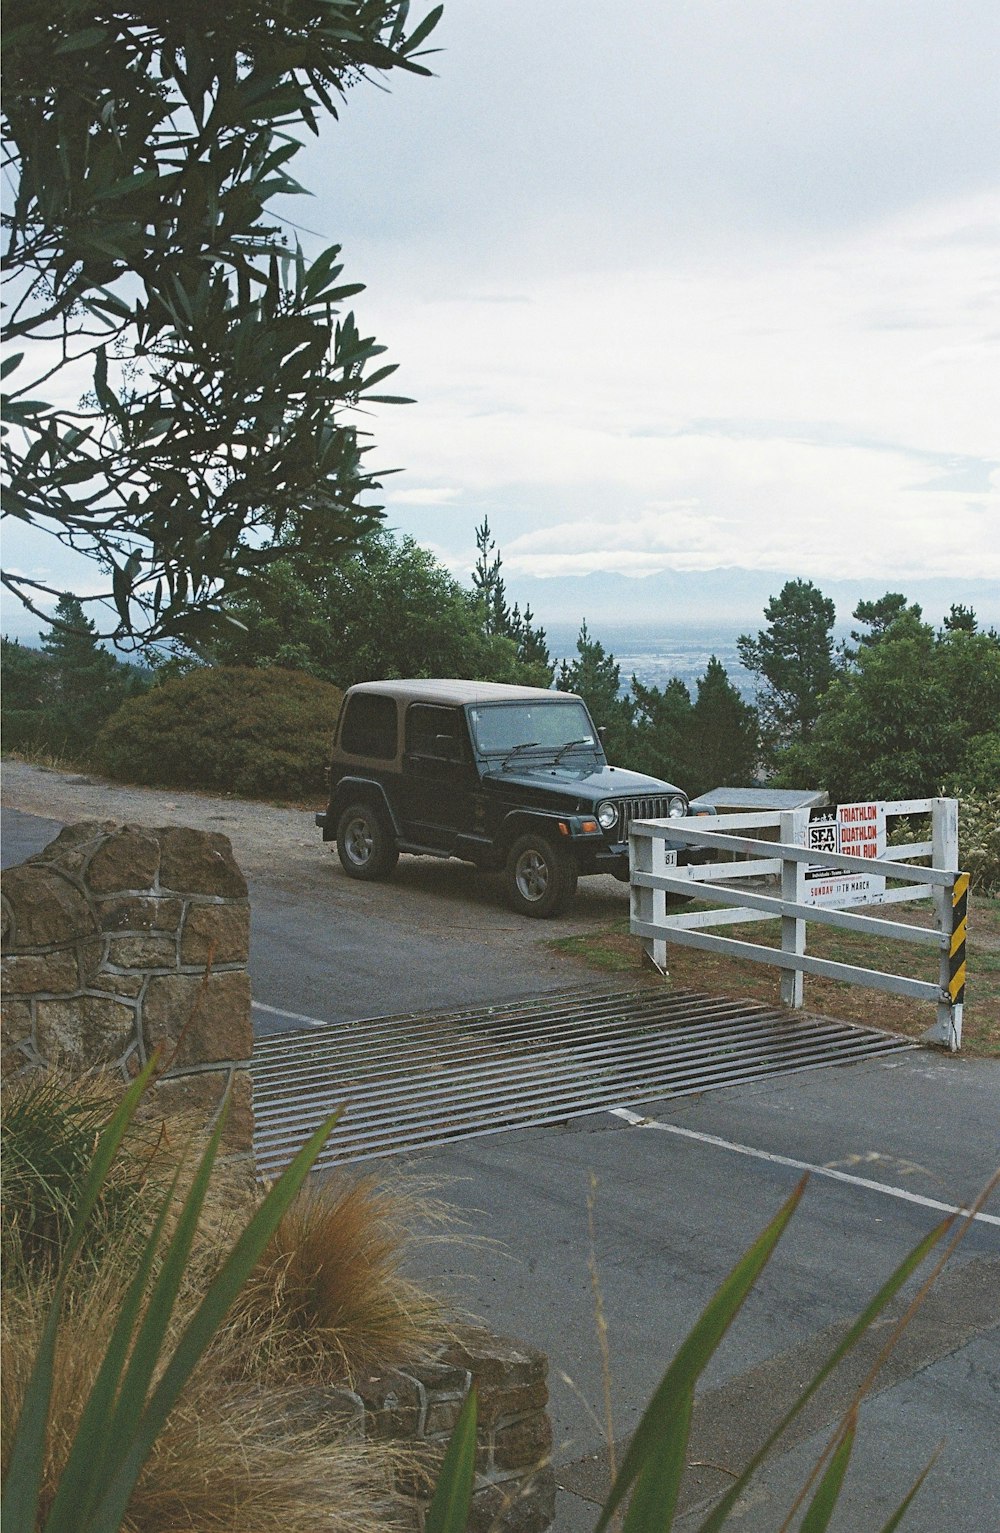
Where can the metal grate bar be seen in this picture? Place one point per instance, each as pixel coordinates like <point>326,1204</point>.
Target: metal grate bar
<point>694,1042</point>
<point>545,1008</point>
<point>513,1100</point>
<point>345,1058</point>
<point>415,1081</point>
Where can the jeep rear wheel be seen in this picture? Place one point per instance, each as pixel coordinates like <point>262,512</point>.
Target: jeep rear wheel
<point>364,844</point>
<point>540,878</point>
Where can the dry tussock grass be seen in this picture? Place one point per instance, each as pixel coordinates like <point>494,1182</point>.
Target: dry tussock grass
<point>242,1450</point>
<point>232,1455</point>
<point>329,1297</point>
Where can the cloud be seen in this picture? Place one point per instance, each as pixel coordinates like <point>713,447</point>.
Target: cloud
<point>552,133</point>
<point>758,412</point>
<point>422,496</point>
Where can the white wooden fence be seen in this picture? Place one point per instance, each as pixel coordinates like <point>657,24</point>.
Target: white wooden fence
<point>654,875</point>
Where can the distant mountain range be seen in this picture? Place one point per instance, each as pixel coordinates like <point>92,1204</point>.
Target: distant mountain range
<point>724,596</point>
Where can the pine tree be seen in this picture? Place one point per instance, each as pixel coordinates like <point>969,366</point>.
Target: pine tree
<point>25,689</point>
<point>793,661</point>
<point>84,683</point>
<point>488,582</point>
<point>724,733</point>
<point>498,619</point>
<point>596,677</point>
<point>961,619</point>
<point>661,735</point>
<point>878,617</point>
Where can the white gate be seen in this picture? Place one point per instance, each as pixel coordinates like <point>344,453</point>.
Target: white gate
<point>654,875</point>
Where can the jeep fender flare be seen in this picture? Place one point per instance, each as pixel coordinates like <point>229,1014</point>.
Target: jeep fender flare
<point>520,822</point>
<point>367,790</point>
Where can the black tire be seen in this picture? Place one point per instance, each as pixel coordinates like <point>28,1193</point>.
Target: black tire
<point>539,877</point>
<point>365,845</point>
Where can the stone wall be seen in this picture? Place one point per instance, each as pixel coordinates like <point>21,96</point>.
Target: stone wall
<point>419,1405</point>
<point>118,939</point>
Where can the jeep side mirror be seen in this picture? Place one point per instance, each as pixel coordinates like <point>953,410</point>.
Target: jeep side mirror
<point>445,746</point>
<point>602,732</point>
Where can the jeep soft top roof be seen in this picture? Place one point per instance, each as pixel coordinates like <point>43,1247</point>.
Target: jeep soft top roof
<point>456,692</point>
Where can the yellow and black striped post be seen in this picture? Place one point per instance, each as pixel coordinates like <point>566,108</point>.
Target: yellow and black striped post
<point>956,950</point>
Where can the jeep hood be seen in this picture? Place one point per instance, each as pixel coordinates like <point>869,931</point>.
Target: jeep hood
<point>586,777</point>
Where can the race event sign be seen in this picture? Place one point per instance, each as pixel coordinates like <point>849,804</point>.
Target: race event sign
<point>857,830</point>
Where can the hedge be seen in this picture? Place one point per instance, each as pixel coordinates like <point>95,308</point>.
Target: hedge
<point>253,733</point>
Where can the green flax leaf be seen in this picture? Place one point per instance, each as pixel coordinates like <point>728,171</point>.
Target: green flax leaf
<point>202,1328</point>
<point>654,1499</point>
<point>658,1423</point>
<point>869,1314</point>
<point>147,1347</point>
<point>22,1484</point>
<point>904,1505</point>
<point>824,1502</point>
<point>83,1475</point>
<point>449,1510</point>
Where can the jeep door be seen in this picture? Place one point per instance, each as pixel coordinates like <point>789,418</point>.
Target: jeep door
<point>439,777</point>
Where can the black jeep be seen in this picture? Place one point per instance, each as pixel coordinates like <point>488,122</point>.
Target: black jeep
<point>511,778</point>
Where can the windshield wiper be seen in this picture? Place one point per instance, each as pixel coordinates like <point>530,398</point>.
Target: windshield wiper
<point>524,746</point>
<point>560,753</point>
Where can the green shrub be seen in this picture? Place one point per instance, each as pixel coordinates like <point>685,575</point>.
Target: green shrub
<point>48,1131</point>
<point>979,841</point>
<point>255,733</point>
<point>979,772</point>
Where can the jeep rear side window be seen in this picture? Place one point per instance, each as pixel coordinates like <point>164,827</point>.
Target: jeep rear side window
<point>369,726</point>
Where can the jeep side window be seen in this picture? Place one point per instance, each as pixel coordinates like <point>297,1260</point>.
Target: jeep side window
<point>433,731</point>
<point>369,727</point>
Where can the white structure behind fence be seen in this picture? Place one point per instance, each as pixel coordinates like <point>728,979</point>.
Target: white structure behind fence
<point>654,875</point>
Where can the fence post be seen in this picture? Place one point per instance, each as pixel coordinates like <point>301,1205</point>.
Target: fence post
<point>951,917</point>
<point>792,830</point>
<point>648,855</point>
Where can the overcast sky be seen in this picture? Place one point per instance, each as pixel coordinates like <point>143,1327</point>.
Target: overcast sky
<point>685,285</point>
<point>682,285</point>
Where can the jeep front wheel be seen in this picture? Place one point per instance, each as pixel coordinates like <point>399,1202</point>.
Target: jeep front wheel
<point>540,878</point>
<point>364,845</point>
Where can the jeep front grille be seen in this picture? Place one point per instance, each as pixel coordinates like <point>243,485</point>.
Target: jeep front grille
<point>656,807</point>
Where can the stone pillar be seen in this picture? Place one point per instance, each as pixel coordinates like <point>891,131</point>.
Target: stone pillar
<point>121,940</point>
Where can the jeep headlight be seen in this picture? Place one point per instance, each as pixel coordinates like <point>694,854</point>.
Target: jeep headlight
<point>607,815</point>
<point>676,808</point>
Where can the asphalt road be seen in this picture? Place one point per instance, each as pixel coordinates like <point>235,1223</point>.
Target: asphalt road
<point>672,1212</point>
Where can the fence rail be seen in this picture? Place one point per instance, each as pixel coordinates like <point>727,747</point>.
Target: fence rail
<point>654,876</point>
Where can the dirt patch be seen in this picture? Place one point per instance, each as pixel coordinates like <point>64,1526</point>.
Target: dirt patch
<point>615,951</point>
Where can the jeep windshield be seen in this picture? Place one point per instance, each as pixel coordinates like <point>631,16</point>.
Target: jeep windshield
<point>524,730</point>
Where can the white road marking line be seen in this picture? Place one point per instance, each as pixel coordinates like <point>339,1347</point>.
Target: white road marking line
<point>293,1016</point>
<point>637,1121</point>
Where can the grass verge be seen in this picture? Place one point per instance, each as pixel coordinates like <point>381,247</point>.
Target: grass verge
<point>615,951</point>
